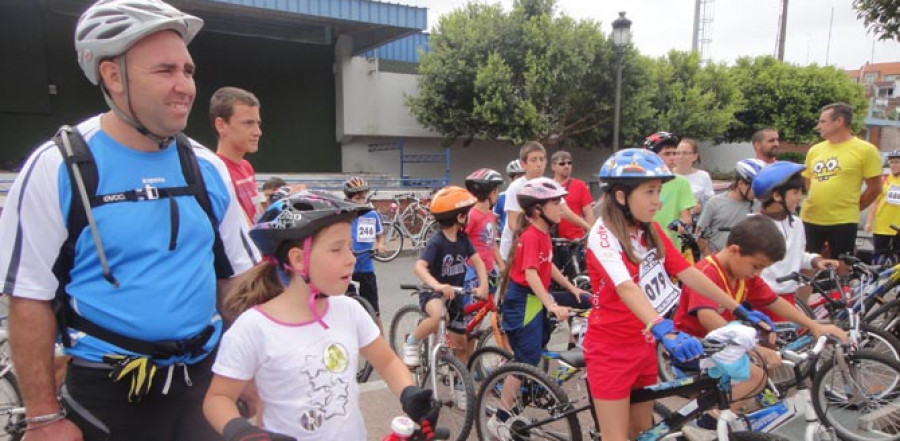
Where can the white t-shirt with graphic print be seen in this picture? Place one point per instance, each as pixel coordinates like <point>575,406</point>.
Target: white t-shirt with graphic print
<point>305,374</point>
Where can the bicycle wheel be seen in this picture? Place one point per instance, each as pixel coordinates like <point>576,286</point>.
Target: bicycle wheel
<point>364,368</point>
<point>754,436</point>
<point>12,412</point>
<point>393,243</point>
<point>859,396</point>
<point>431,229</point>
<point>456,392</point>
<point>538,402</point>
<point>886,317</point>
<point>404,323</point>
<point>486,360</point>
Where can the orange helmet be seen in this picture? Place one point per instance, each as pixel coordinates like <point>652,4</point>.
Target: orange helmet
<point>450,201</point>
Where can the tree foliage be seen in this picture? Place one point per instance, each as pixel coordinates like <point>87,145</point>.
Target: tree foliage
<point>690,99</point>
<point>882,17</point>
<point>525,74</point>
<point>790,98</point>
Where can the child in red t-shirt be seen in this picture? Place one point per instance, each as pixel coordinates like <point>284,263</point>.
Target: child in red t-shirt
<point>481,228</point>
<point>753,244</point>
<point>528,301</point>
<point>630,262</point>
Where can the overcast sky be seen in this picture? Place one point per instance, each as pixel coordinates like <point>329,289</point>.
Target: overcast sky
<point>739,28</point>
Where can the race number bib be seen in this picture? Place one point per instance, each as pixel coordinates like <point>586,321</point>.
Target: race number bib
<point>365,230</point>
<point>657,285</point>
<point>893,195</point>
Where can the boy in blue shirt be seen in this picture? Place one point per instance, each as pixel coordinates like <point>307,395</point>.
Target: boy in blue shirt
<point>368,237</point>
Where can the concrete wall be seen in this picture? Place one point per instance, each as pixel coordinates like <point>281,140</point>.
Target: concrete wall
<point>720,158</point>
<point>371,102</point>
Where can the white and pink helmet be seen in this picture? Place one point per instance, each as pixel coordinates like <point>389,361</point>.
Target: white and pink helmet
<point>539,190</point>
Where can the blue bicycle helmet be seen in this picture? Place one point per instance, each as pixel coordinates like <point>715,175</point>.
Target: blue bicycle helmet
<point>631,167</point>
<point>772,176</point>
<point>747,169</point>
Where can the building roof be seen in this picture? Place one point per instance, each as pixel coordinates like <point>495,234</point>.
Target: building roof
<point>881,68</point>
<point>370,23</point>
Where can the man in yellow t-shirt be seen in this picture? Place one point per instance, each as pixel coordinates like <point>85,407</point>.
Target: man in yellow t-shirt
<point>835,171</point>
<point>886,212</point>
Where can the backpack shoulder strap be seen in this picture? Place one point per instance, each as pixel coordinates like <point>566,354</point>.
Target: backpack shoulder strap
<point>80,159</point>
<point>194,179</point>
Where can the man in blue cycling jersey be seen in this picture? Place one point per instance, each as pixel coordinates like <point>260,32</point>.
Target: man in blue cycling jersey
<point>138,311</point>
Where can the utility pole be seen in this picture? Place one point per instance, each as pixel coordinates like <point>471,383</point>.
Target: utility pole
<point>782,31</point>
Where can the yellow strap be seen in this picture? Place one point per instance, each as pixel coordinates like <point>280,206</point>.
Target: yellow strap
<point>739,297</point>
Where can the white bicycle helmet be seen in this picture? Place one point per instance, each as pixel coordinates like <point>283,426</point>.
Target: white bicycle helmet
<point>109,27</point>
<point>514,168</point>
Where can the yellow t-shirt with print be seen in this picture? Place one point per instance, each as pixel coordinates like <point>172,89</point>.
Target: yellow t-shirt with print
<point>888,203</point>
<point>836,173</point>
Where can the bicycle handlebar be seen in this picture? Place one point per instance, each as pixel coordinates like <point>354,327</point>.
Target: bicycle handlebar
<point>426,288</point>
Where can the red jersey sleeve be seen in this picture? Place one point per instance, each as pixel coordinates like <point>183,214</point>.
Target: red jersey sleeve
<point>675,262</point>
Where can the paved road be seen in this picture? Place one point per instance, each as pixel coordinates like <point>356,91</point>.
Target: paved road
<point>379,405</point>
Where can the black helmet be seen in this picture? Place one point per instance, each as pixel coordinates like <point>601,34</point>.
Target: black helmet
<point>658,140</point>
<point>299,216</point>
<point>483,181</point>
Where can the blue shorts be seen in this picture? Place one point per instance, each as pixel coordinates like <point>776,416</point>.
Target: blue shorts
<point>524,320</point>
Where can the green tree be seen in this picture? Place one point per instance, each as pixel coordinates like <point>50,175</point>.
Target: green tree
<point>882,17</point>
<point>525,74</point>
<point>689,99</point>
<point>790,98</point>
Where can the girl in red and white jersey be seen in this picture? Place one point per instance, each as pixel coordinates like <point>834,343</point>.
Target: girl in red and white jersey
<point>631,262</point>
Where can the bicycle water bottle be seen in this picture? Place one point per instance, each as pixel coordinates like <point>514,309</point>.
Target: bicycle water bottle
<point>402,429</point>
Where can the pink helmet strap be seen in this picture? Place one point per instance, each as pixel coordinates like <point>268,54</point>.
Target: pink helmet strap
<point>313,291</point>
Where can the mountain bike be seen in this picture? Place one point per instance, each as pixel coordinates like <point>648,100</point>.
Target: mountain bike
<point>413,223</point>
<point>448,377</point>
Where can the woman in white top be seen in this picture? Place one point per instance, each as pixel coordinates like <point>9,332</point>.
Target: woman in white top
<point>686,155</point>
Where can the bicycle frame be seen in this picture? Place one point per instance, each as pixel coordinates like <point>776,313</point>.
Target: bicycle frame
<point>482,308</point>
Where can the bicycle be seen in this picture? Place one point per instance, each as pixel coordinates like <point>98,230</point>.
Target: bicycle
<point>413,223</point>
<point>446,373</point>
<point>543,411</point>
<point>574,268</point>
<point>12,406</point>
<point>364,368</point>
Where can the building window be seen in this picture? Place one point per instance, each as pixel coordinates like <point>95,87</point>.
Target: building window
<point>869,78</point>
<point>891,77</point>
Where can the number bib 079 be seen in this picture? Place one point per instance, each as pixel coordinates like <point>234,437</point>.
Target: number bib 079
<point>657,285</point>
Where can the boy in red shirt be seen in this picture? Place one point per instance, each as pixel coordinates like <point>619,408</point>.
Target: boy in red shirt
<point>754,244</point>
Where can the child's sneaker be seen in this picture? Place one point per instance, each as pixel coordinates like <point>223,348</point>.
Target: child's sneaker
<point>459,396</point>
<point>411,354</point>
<point>496,429</point>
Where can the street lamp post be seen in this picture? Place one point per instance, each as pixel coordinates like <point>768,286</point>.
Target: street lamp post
<point>621,37</point>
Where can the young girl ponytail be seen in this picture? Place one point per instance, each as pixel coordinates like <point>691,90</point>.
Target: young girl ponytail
<point>258,285</point>
<point>523,223</point>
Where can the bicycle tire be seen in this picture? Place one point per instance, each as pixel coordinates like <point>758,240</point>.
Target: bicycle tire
<point>364,368</point>
<point>754,436</point>
<point>834,389</point>
<point>404,322</point>
<point>430,229</point>
<point>542,400</point>
<point>886,317</point>
<point>393,243</point>
<point>486,360</point>
<point>11,397</point>
<point>458,413</point>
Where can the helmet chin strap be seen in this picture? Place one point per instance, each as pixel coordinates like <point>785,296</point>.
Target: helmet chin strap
<point>313,291</point>
<point>162,142</point>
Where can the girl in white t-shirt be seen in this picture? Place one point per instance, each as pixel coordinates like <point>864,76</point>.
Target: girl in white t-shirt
<point>297,338</point>
<point>686,155</point>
